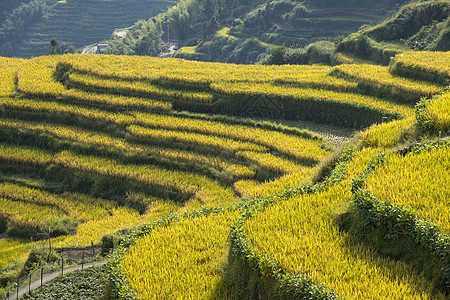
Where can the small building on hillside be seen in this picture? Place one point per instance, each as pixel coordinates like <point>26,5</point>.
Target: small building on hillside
<point>101,48</point>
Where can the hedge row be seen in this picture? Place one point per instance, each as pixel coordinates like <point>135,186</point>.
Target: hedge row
<point>119,287</point>
<point>259,272</point>
<point>398,231</point>
<point>288,285</point>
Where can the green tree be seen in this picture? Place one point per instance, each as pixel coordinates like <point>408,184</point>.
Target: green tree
<point>179,20</point>
<point>150,43</point>
<point>54,47</point>
<point>277,55</point>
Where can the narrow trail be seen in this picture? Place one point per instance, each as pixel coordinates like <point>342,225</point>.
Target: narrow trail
<point>46,278</point>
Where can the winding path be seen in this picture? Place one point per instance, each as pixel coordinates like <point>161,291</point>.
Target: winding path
<point>36,283</point>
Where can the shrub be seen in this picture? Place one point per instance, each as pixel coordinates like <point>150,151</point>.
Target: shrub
<point>111,241</point>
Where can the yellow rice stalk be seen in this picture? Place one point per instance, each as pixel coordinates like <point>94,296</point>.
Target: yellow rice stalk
<point>301,148</point>
<point>303,238</point>
<point>419,181</point>
<point>8,71</point>
<point>387,135</point>
<point>205,190</point>
<point>23,155</point>
<point>438,112</point>
<point>78,207</point>
<point>426,60</point>
<point>182,261</point>
<point>324,95</point>
<point>380,76</point>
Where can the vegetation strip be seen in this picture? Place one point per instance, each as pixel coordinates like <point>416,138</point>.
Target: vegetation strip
<point>120,285</point>
<point>289,285</point>
<point>398,221</point>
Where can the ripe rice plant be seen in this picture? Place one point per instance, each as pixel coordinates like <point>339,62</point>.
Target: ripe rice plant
<point>201,188</point>
<point>117,101</point>
<point>419,181</point>
<point>12,249</point>
<point>199,73</point>
<point>27,215</point>
<point>167,136</point>
<point>182,261</point>
<point>300,93</point>
<point>92,231</point>
<point>37,78</point>
<point>245,187</point>
<point>295,146</point>
<point>60,108</point>
<point>313,245</point>
<point>137,88</point>
<point>254,189</point>
<point>271,162</point>
<point>33,157</point>
<point>76,206</point>
<point>312,77</point>
<point>73,134</point>
<point>8,71</point>
<point>387,135</point>
<point>27,156</point>
<point>436,112</point>
<point>236,170</point>
<point>34,77</point>
<point>423,65</point>
<point>378,81</point>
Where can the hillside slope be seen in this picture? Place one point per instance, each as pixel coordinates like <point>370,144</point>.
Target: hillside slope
<point>254,26</point>
<point>26,30</point>
<point>421,25</point>
<point>185,163</point>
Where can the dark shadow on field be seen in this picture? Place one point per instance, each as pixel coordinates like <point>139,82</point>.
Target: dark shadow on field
<point>239,281</point>
<point>399,249</point>
<point>245,104</point>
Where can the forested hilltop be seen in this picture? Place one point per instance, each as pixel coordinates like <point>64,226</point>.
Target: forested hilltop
<point>307,31</point>
<point>237,31</point>
<point>26,27</point>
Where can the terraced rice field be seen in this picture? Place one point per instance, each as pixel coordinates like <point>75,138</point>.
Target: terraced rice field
<point>223,201</point>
